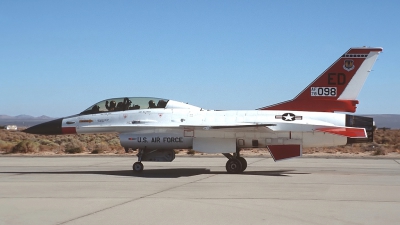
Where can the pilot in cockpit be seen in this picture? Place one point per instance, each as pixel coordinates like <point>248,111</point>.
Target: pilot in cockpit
<point>152,104</point>
<point>127,103</point>
<point>120,106</point>
<point>95,109</point>
<point>161,104</point>
<point>111,107</point>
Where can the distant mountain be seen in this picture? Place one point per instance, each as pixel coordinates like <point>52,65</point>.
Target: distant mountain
<point>386,120</point>
<point>6,117</point>
<point>26,117</point>
<point>23,116</point>
<point>23,120</point>
<point>43,117</point>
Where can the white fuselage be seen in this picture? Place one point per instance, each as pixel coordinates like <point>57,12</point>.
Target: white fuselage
<point>179,128</point>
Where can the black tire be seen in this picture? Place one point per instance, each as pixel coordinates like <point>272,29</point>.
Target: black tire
<point>233,166</point>
<point>137,167</point>
<point>244,163</point>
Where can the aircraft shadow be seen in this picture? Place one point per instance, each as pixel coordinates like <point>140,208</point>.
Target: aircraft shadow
<point>166,173</point>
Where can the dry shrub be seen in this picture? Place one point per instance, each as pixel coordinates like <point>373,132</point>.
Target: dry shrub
<point>386,140</point>
<point>177,151</point>
<point>390,137</point>
<point>311,150</point>
<point>73,150</point>
<point>3,135</point>
<point>100,148</point>
<point>47,142</point>
<point>371,147</point>
<point>6,146</point>
<point>380,151</point>
<point>14,136</point>
<point>191,152</point>
<point>47,148</point>
<point>64,143</point>
<point>119,150</point>
<point>27,146</point>
<point>96,151</point>
<point>47,145</point>
<point>74,146</point>
<point>114,141</point>
<point>84,138</point>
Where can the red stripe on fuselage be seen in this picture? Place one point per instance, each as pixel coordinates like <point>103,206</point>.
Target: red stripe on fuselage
<point>69,130</point>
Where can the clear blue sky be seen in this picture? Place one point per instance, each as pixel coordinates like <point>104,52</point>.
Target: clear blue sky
<point>59,57</point>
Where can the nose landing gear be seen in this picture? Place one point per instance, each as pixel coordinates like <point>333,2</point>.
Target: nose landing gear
<point>138,166</point>
<point>154,155</point>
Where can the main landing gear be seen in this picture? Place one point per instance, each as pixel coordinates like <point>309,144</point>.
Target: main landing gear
<point>236,163</point>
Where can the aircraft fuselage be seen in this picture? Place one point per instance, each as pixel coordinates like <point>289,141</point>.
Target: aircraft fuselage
<point>176,128</point>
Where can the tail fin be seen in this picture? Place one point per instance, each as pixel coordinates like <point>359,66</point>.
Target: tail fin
<point>337,88</point>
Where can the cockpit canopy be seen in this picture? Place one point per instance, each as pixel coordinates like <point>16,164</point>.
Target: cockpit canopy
<point>134,103</point>
<point>122,104</point>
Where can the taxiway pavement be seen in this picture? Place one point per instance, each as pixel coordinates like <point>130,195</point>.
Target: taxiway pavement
<point>197,190</point>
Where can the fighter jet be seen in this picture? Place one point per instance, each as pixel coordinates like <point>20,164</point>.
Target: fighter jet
<point>314,118</point>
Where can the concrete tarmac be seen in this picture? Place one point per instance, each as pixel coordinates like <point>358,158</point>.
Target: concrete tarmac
<point>197,190</point>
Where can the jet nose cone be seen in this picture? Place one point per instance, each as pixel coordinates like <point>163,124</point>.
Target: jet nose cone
<point>51,127</point>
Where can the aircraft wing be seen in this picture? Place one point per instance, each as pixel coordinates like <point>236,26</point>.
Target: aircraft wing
<point>351,132</point>
<point>233,127</point>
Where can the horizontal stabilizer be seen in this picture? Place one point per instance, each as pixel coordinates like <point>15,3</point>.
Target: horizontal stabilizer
<point>351,132</point>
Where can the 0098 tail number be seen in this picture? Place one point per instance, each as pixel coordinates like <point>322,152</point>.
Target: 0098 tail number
<point>323,91</point>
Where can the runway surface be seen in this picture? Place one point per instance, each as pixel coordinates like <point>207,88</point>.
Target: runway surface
<point>197,190</point>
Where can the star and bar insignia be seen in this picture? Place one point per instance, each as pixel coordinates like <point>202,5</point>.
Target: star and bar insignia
<point>288,117</point>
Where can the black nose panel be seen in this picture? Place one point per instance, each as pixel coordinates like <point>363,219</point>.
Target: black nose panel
<point>51,127</point>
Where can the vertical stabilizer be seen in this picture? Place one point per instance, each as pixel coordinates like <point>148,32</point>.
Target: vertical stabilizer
<point>337,88</point>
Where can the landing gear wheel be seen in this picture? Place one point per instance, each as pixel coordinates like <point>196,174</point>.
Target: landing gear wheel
<point>243,162</point>
<point>234,166</point>
<point>137,167</point>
